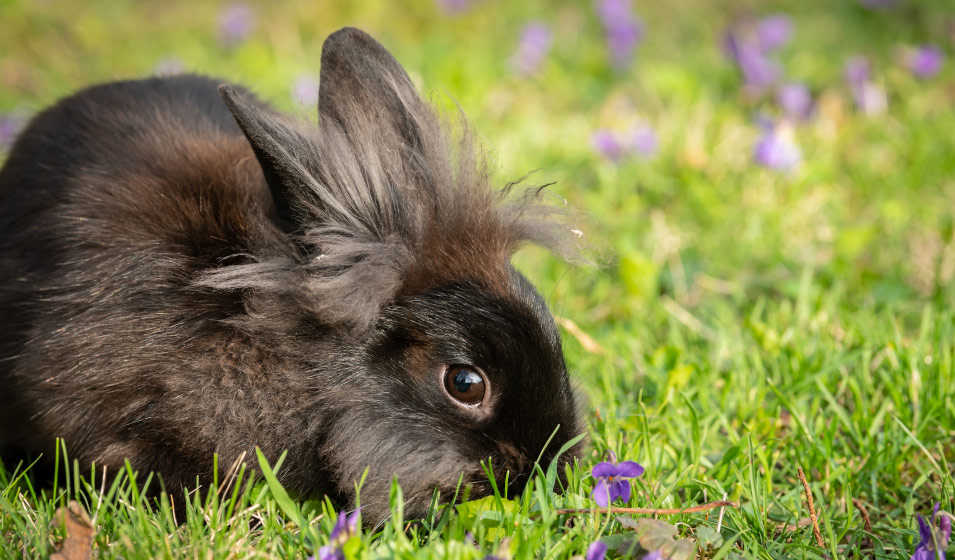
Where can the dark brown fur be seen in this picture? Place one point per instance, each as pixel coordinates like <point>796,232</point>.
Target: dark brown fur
<point>173,285</point>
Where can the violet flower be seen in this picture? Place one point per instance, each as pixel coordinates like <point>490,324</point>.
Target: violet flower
<point>305,90</point>
<point>533,47</point>
<point>869,97</point>
<point>622,28</point>
<point>795,101</point>
<point>641,141</point>
<point>345,527</point>
<point>759,71</point>
<point>612,480</point>
<point>933,536</point>
<point>606,144</point>
<point>655,555</point>
<point>596,551</point>
<point>773,32</point>
<point>926,61</point>
<point>777,149</point>
<point>236,22</point>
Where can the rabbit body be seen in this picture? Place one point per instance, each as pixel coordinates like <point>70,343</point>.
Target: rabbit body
<point>186,272</point>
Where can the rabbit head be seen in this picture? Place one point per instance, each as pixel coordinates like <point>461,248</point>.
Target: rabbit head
<point>427,352</point>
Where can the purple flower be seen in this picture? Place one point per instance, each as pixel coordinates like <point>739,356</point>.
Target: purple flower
<point>345,527</point>
<point>643,140</point>
<point>532,49</point>
<point>759,71</point>
<point>869,96</point>
<point>933,537</point>
<point>612,480</point>
<point>453,7</point>
<point>596,551</point>
<point>329,552</point>
<point>622,28</point>
<point>777,149</point>
<point>926,61</point>
<point>305,90</point>
<point>773,32</point>
<point>236,22</point>
<point>655,555</point>
<point>10,126</point>
<point>606,144</point>
<point>795,101</point>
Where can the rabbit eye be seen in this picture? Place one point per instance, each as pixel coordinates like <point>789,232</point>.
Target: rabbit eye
<point>465,384</point>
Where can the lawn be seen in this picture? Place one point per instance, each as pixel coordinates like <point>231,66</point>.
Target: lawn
<point>771,288</point>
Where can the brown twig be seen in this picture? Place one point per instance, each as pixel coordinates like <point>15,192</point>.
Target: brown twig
<point>652,511</point>
<point>865,514</point>
<point>812,508</point>
<point>866,541</point>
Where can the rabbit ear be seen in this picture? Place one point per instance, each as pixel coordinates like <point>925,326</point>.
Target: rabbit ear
<point>361,82</point>
<point>279,147</point>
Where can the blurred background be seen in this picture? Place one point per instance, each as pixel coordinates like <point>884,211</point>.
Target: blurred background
<point>723,153</point>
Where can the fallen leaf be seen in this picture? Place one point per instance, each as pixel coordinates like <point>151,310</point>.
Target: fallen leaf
<point>78,544</point>
<point>654,534</point>
<point>708,539</point>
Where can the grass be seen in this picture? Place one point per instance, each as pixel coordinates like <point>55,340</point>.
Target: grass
<point>749,322</point>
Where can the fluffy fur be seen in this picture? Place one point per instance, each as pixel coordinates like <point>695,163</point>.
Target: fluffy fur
<point>183,275</point>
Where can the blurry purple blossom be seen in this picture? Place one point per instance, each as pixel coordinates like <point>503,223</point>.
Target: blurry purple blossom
<point>655,555</point>
<point>596,551</point>
<point>305,90</point>
<point>329,552</point>
<point>773,32</point>
<point>777,149</point>
<point>643,140</point>
<point>533,48</point>
<point>169,66</point>
<point>933,536</point>
<point>236,22</point>
<point>612,480</point>
<point>453,7</point>
<point>759,71</point>
<point>345,527</point>
<point>640,140</point>
<point>926,61</point>
<point>869,96</point>
<point>622,28</point>
<point>795,101</point>
<point>606,144</point>
<point>10,125</point>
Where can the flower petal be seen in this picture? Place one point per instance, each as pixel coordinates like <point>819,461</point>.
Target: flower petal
<point>351,522</point>
<point>601,493</point>
<point>604,469</point>
<point>339,527</point>
<point>596,551</point>
<point>620,489</point>
<point>629,469</point>
<point>925,531</point>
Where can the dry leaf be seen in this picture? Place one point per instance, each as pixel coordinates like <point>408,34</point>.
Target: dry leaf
<point>78,544</point>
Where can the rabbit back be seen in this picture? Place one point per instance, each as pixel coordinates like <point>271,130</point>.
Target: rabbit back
<point>113,200</point>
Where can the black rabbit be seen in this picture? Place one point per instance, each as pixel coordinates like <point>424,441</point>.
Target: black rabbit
<point>181,277</point>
